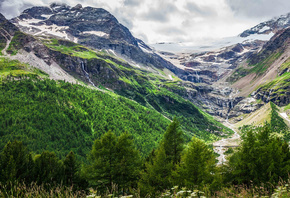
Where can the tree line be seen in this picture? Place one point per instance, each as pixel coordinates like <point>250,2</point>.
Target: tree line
<point>114,162</point>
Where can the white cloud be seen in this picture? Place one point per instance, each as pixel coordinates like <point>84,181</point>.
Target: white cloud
<point>175,20</point>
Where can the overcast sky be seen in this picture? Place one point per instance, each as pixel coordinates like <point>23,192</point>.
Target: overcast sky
<point>175,20</point>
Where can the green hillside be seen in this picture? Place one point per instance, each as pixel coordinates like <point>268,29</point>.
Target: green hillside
<point>59,116</point>
<point>149,88</point>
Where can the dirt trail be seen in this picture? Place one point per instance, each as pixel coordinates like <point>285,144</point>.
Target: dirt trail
<point>222,145</point>
<point>4,51</point>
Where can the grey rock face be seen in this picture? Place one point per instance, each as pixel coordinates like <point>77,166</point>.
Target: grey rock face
<point>269,26</point>
<point>93,27</point>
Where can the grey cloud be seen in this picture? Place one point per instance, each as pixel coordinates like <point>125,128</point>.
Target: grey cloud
<point>204,10</point>
<point>259,8</point>
<point>132,2</point>
<point>162,13</point>
<point>171,31</point>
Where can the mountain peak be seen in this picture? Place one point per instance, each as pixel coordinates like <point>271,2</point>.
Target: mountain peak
<point>267,27</point>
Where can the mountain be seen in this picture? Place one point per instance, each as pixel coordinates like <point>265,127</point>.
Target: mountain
<point>115,94</point>
<point>93,27</point>
<point>267,27</point>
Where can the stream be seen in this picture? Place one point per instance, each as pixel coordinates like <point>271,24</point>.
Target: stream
<point>222,145</point>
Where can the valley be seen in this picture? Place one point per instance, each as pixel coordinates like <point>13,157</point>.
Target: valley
<point>77,89</point>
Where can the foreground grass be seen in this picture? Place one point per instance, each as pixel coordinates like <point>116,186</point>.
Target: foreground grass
<point>234,191</point>
<point>33,190</point>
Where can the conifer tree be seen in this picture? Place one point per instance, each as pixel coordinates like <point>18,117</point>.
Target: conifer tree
<point>158,169</point>
<point>260,159</point>
<point>113,161</point>
<point>128,159</point>
<point>15,163</point>
<point>156,176</point>
<point>48,169</point>
<point>173,142</point>
<point>197,165</point>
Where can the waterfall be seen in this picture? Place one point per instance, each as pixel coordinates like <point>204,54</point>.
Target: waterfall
<point>86,74</point>
<point>197,76</point>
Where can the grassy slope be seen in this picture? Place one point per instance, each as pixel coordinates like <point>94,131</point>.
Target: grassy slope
<point>268,113</point>
<point>152,90</point>
<point>58,116</point>
<point>260,62</point>
<point>13,68</point>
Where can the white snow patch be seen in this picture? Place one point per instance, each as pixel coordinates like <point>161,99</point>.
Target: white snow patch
<point>46,16</point>
<point>112,52</point>
<point>97,33</point>
<point>145,50</point>
<point>264,29</point>
<point>170,77</point>
<point>285,116</point>
<point>54,30</point>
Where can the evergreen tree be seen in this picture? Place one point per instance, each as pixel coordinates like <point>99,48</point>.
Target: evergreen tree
<point>48,169</point>
<point>173,142</point>
<point>156,176</point>
<point>103,161</point>
<point>260,159</point>
<point>113,161</point>
<point>158,169</point>
<point>15,163</point>
<point>72,176</point>
<point>128,162</point>
<point>197,165</point>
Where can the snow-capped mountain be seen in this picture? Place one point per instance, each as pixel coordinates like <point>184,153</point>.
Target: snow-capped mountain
<point>267,27</point>
<point>92,27</point>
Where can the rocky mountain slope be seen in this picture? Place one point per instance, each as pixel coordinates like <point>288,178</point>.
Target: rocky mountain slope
<point>85,44</point>
<point>267,27</point>
<point>154,88</point>
<point>92,27</point>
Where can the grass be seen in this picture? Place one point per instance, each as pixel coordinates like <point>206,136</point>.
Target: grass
<point>262,66</point>
<point>278,85</point>
<point>33,190</point>
<point>71,49</point>
<point>15,68</point>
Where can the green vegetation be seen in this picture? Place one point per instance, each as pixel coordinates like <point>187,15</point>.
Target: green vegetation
<point>279,85</point>
<point>258,68</point>
<point>18,42</point>
<point>269,114</point>
<point>45,114</point>
<point>149,89</point>
<point>257,168</point>
<point>15,69</point>
<point>71,48</point>
<point>113,160</point>
<point>260,159</point>
<point>262,66</point>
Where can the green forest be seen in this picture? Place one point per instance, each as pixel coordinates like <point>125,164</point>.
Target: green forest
<point>115,168</point>
<point>67,140</point>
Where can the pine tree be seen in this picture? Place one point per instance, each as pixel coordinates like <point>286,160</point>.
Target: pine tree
<point>197,165</point>
<point>15,163</point>
<point>113,161</point>
<point>260,159</point>
<point>173,142</point>
<point>48,169</point>
<point>70,168</point>
<point>157,174</point>
<point>128,162</point>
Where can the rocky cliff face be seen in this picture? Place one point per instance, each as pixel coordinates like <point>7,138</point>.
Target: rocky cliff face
<point>93,27</point>
<point>271,26</point>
